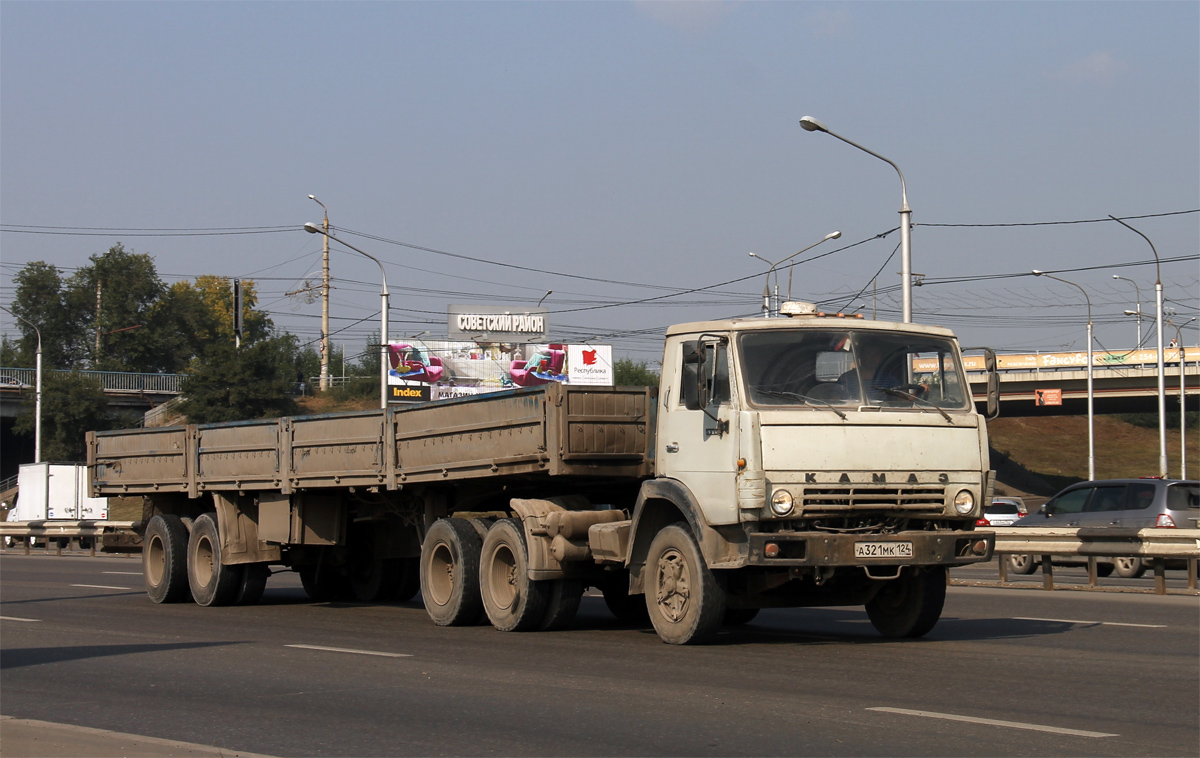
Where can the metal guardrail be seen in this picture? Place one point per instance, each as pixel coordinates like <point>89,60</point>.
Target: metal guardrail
<point>66,530</point>
<point>1159,545</point>
<point>109,381</point>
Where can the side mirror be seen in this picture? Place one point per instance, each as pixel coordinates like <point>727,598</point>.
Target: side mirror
<point>993,383</point>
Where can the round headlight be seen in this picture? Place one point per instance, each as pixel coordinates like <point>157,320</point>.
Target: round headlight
<point>781,502</point>
<point>964,502</point>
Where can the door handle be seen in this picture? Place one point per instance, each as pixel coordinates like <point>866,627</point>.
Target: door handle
<point>672,447</point>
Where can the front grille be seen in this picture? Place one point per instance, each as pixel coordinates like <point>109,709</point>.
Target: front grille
<point>857,497</point>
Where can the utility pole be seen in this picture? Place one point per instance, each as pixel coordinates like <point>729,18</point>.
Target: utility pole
<point>96,353</point>
<point>324,383</point>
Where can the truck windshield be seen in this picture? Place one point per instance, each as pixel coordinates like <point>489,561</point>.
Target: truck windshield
<point>820,368</point>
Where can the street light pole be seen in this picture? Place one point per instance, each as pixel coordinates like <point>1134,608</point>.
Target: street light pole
<point>1090,393</point>
<point>324,383</point>
<point>769,303</point>
<point>1138,312</point>
<point>810,124</point>
<point>1182,397</point>
<point>1162,375</point>
<point>312,228</point>
<point>37,392</point>
<point>766,292</point>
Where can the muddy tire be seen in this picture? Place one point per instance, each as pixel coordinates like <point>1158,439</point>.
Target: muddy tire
<point>685,601</point>
<point>562,603</point>
<point>164,559</point>
<point>212,582</point>
<point>450,573</point>
<point>405,579</point>
<point>324,583</point>
<point>739,616</point>
<point>513,602</point>
<point>1129,568</point>
<point>370,576</point>
<point>1023,564</point>
<point>254,583</point>
<point>629,609</point>
<point>910,605</point>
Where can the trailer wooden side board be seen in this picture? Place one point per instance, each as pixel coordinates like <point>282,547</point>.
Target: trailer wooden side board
<point>554,430</point>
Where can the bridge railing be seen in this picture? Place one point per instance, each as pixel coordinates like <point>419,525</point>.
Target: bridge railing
<point>109,381</point>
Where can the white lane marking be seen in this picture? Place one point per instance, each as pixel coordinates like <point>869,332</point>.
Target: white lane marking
<point>126,573</point>
<point>349,650</point>
<point>1104,623</point>
<point>101,587</point>
<point>995,722</point>
<point>16,618</point>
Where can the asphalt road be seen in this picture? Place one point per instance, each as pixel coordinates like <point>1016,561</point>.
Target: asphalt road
<point>1006,672</point>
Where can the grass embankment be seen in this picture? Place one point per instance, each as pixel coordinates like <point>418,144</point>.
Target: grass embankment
<point>1045,454</point>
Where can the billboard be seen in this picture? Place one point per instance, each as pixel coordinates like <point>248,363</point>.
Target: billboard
<point>487,323</point>
<point>588,365</point>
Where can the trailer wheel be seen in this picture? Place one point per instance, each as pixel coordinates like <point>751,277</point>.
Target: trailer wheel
<point>212,581</point>
<point>629,609</point>
<point>450,573</point>
<point>164,559</point>
<point>911,605</point>
<point>369,574</point>
<point>739,616</point>
<point>513,602</point>
<point>254,582</point>
<point>1129,568</point>
<point>562,603</point>
<point>1023,564</point>
<point>685,601</point>
<point>324,584</point>
<point>405,579</point>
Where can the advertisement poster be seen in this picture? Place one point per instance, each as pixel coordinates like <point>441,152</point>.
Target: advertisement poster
<point>589,365</point>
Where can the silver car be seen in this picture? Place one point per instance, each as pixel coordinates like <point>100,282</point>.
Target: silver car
<point>1115,503</point>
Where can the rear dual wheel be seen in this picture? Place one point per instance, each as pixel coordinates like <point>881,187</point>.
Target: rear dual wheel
<point>450,573</point>
<point>212,581</point>
<point>164,559</point>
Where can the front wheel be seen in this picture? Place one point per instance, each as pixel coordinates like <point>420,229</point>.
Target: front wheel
<point>910,605</point>
<point>1022,564</point>
<point>1129,568</point>
<point>685,602</point>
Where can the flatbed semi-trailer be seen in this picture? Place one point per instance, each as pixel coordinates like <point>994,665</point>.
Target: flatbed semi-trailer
<point>781,462</point>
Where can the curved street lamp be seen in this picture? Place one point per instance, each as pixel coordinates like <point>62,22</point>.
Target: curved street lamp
<point>312,228</point>
<point>766,296</point>
<point>1090,395</point>
<point>810,124</point>
<point>37,401</point>
<point>1138,312</point>
<point>1162,375</point>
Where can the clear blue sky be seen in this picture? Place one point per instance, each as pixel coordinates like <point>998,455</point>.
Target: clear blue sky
<point>647,147</point>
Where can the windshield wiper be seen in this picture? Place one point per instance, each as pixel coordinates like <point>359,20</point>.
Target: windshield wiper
<point>802,398</point>
<point>913,398</point>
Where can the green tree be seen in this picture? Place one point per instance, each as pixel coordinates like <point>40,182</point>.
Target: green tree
<point>232,384</point>
<point>628,373</point>
<point>119,293</point>
<point>41,298</point>
<point>72,405</point>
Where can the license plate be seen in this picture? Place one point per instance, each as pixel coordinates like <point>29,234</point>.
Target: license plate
<point>883,550</point>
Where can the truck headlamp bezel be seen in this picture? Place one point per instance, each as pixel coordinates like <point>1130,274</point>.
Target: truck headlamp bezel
<point>964,502</point>
<point>781,502</point>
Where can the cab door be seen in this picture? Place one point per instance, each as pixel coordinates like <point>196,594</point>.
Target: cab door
<point>697,443</point>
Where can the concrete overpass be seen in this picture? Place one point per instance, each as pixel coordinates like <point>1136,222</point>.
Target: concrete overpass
<point>125,391</point>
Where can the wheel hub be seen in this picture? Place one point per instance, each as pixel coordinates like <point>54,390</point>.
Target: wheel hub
<point>674,585</point>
